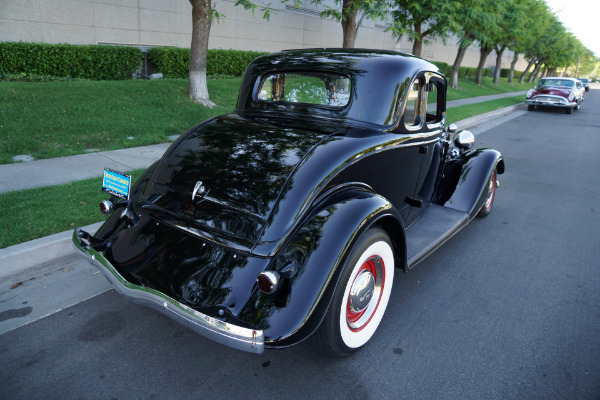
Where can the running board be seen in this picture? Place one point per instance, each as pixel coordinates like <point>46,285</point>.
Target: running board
<point>432,229</point>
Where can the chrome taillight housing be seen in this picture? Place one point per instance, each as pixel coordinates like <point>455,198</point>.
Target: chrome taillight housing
<point>106,207</point>
<point>267,281</point>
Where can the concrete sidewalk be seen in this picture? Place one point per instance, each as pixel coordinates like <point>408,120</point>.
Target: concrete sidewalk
<point>57,171</point>
<point>24,260</point>
<point>482,99</point>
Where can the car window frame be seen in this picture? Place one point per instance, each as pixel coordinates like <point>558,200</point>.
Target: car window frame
<point>260,81</point>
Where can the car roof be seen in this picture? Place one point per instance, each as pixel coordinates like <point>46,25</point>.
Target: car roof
<point>378,76</point>
<point>566,78</point>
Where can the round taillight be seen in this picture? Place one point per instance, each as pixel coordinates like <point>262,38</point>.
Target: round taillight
<point>106,207</point>
<point>267,281</point>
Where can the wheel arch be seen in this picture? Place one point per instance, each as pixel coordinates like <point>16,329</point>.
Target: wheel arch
<point>318,249</point>
<point>465,178</point>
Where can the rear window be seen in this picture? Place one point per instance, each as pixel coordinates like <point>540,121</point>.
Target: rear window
<point>320,89</point>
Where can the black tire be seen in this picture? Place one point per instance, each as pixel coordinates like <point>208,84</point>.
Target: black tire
<point>490,195</point>
<point>347,327</point>
<point>530,107</point>
<point>568,110</point>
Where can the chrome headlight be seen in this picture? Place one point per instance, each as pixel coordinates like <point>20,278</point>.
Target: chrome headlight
<point>530,93</point>
<point>571,96</point>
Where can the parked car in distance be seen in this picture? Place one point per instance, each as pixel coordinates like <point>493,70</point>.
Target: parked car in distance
<point>288,218</point>
<point>586,83</point>
<point>565,93</point>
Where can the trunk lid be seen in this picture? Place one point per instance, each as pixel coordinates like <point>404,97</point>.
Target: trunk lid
<point>238,167</point>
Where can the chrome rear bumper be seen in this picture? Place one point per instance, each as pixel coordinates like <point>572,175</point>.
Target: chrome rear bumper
<point>237,337</point>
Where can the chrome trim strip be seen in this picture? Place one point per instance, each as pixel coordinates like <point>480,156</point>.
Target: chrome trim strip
<point>234,336</point>
<point>550,99</point>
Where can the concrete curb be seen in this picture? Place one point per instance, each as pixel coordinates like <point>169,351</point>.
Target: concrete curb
<point>24,261</point>
<point>468,123</point>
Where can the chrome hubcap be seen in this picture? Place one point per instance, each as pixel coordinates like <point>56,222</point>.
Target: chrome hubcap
<point>362,291</point>
<point>491,189</point>
<point>365,293</point>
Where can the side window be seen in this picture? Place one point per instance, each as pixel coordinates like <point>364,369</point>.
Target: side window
<point>412,109</point>
<point>432,102</point>
<point>435,100</point>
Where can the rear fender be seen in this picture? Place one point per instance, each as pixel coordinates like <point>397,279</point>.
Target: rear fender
<point>310,265</point>
<point>465,177</point>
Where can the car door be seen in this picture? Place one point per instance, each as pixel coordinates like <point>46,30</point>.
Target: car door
<point>424,116</point>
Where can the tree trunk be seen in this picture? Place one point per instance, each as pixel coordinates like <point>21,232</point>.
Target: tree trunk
<point>460,55</point>
<point>564,72</point>
<point>349,26</point>
<point>536,70</point>
<point>498,68</point>
<point>522,78</point>
<point>418,43</point>
<point>514,61</point>
<point>483,53</point>
<point>201,20</point>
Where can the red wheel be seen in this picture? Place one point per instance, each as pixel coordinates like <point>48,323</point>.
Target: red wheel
<point>361,297</point>
<point>489,197</point>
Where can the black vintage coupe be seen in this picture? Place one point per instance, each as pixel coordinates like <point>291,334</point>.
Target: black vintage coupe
<point>289,217</point>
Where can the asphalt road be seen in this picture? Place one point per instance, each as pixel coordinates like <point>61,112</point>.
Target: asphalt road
<point>507,309</point>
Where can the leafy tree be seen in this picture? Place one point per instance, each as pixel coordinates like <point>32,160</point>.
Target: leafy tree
<point>588,63</point>
<point>509,28</point>
<point>423,19</point>
<point>536,18</point>
<point>472,19</point>
<point>524,33</point>
<point>488,33</point>
<point>347,12</point>
<point>202,16</point>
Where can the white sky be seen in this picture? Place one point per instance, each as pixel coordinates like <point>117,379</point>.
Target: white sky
<point>580,17</point>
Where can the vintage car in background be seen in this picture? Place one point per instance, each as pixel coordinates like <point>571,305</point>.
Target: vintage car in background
<point>289,217</point>
<point>586,83</point>
<point>564,93</point>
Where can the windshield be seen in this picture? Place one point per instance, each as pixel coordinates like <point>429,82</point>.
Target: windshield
<point>557,82</point>
<point>321,89</point>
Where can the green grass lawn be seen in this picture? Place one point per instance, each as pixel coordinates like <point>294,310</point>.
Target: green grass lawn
<point>455,114</point>
<point>55,119</point>
<point>34,213</point>
<point>467,88</point>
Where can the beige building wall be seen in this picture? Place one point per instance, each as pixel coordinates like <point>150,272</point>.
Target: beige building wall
<point>169,23</point>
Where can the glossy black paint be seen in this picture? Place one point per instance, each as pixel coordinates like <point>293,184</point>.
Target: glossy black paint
<point>465,178</point>
<point>289,188</point>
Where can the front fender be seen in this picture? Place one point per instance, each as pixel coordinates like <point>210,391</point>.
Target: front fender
<point>315,254</point>
<point>465,177</point>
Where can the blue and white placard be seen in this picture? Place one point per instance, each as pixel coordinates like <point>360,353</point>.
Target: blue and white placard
<point>116,183</point>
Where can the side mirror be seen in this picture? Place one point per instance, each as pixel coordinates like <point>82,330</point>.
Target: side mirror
<point>452,128</point>
<point>464,140</point>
